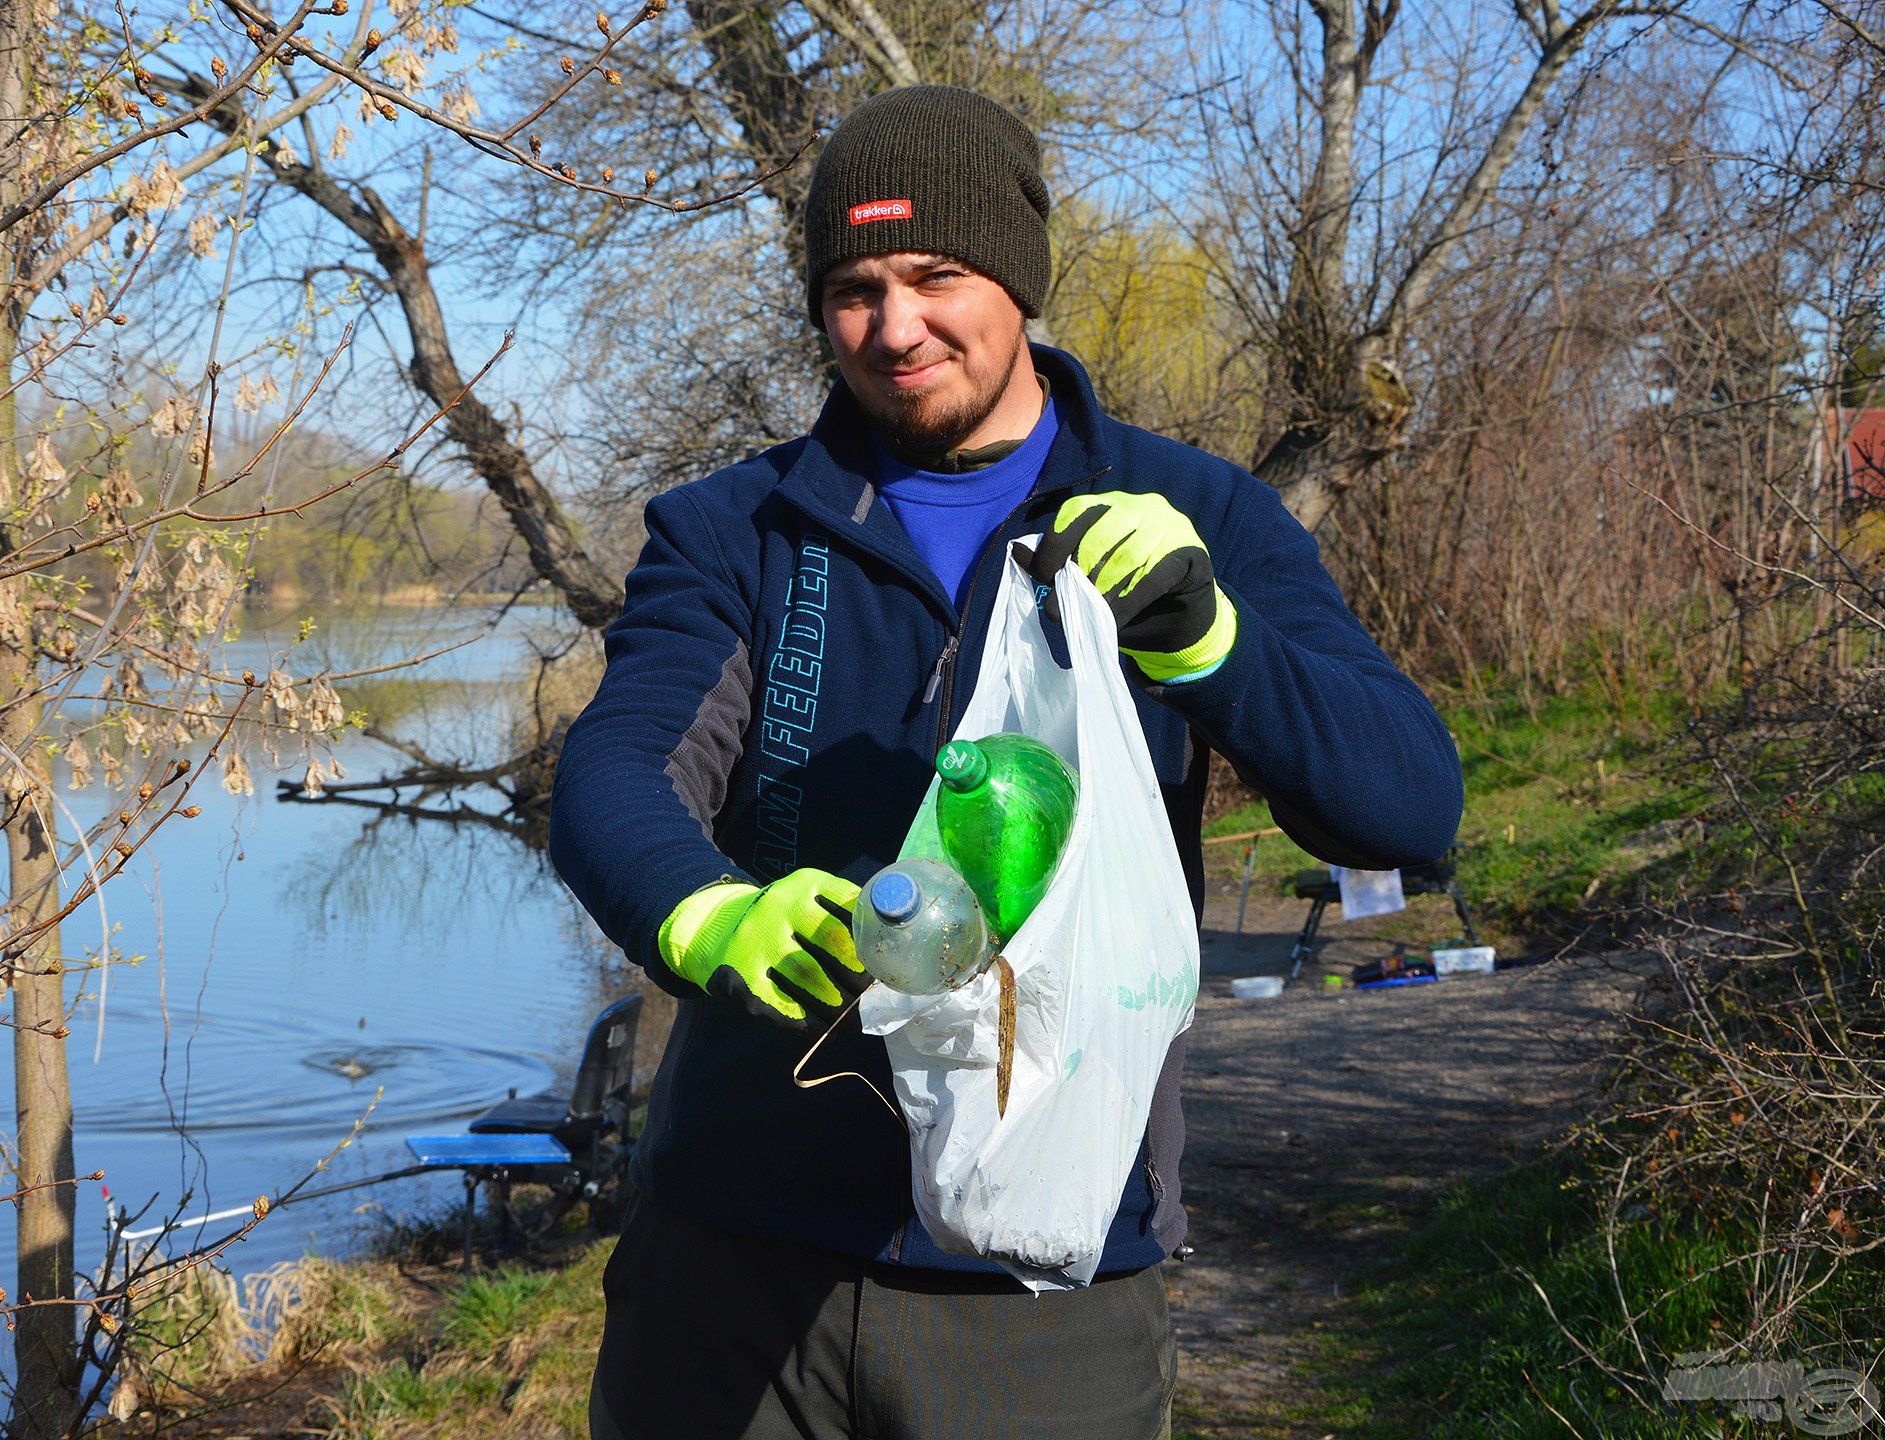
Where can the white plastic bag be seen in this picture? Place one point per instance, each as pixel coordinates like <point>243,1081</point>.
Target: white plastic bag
<point>1106,974</point>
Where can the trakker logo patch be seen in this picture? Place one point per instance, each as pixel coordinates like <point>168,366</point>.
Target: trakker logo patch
<point>881,210</point>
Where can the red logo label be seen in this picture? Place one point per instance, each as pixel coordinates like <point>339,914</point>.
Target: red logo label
<point>881,210</point>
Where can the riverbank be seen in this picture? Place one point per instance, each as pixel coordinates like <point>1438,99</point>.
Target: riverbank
<point>286,595</point>
<point>1570,812</point>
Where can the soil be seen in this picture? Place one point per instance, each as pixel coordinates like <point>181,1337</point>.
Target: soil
<point>1323,1123</point>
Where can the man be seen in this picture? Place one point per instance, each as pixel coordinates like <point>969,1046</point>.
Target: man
<point>797,641</point>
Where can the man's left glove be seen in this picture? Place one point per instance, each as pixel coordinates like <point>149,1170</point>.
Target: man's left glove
<point>784,952</point>
<point>1147,560</point>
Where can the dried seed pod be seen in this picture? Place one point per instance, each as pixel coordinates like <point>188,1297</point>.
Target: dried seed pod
<point>1004,1034</point>
<point>236,779</point>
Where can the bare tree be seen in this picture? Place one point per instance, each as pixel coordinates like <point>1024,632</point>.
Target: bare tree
<point>1335,266</point>
<point>81,162</point>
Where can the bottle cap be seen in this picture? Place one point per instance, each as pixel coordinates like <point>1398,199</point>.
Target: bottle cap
<point>962,765</point>
<point>895,897</point>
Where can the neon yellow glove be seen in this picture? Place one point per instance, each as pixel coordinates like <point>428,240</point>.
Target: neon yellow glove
<point>1145,557</point>
<point>783,952</point>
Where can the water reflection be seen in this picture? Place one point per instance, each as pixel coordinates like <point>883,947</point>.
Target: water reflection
<point>284,965</point>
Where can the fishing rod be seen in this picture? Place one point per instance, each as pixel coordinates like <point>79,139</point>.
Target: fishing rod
<point>294,1199</point>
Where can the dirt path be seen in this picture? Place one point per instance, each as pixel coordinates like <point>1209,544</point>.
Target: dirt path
<point>1307,1112</point>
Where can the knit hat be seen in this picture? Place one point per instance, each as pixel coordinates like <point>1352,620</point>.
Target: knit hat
<point>932,168</point>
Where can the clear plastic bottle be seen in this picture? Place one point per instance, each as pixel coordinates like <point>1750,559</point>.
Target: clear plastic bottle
<point>1004,810</point>
<point>919,928</point>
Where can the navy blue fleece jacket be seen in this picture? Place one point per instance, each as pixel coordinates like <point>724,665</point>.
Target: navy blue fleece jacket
<point>783,672</point>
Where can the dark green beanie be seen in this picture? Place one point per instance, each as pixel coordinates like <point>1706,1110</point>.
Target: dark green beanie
<point>932,168</point>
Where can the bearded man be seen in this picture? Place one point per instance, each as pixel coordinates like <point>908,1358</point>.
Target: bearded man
<point>793,650</point>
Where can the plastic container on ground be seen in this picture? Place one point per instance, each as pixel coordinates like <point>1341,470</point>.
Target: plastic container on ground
<point>1257,987</point>
<point>1469,960</point>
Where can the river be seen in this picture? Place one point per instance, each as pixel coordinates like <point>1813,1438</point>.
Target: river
<point>294,959</point>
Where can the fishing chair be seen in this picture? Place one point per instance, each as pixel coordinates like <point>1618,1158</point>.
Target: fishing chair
<point>577,1144</point>
<point>1321,889</point>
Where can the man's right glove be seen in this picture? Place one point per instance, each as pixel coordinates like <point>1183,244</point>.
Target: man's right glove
<point>784,952</point>
<point>1145,557</point>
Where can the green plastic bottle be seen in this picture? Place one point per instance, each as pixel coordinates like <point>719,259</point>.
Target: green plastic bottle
<point>1004,810</point>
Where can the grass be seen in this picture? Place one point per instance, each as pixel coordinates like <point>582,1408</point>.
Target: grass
<point>484,1310</point>
<point>508,1353</point>
<point>202,1327</point>
<point>399,1399</point>
<point>397,1345</point>
<point>1563,804</point>
<point>1565,809</point>
<point>1452,1336</point>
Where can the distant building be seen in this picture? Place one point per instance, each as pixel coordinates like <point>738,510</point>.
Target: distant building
<point>1857,438</point>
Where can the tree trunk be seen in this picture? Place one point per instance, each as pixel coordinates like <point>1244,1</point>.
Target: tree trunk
<point>1349,407</point>
<point>46,1397</point>
<point>1318,457</point>
<point>505,468</point>
<point>768,100</point>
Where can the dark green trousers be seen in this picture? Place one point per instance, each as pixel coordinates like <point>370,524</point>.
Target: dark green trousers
<point>712,1336</point>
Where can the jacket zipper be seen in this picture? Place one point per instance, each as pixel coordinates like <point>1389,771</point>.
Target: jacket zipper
<point>943,677</point>
<point>947,656</point>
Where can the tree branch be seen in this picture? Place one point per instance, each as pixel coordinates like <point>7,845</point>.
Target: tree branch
<point>507,471</point>
<point>1566,39</point>
<point>898,68</point>
<point>219,95</point>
